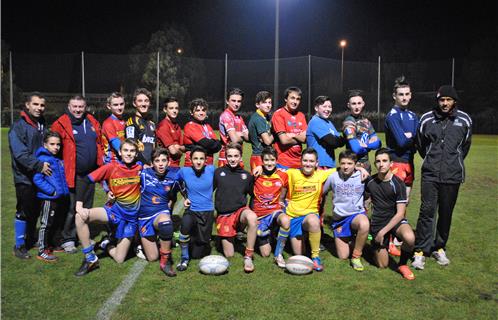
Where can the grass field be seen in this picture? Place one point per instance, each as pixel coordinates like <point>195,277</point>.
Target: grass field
<point>466,289</point>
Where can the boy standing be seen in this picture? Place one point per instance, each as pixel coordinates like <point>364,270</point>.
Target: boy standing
<point>169,134</point>
<point>113,128</point>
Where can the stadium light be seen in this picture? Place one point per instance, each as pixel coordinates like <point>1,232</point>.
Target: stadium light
<point>342,44</point>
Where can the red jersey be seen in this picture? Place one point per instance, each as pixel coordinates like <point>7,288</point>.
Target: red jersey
<point>229,121</point>
<point>284,121</point>
<point>112,128</point>
<point>267,191</point>
<point>123,181</point>
<point>169,133</point>
<point>194,132</point>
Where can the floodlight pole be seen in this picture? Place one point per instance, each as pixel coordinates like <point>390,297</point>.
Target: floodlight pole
<point>277,31</point>
<point>226,79</point>
<point>378,95</point>
<point>453,72</point>
<point>342,44</point>
<point>11,91</point>
<point>157,86</point>
<point>83,74</point>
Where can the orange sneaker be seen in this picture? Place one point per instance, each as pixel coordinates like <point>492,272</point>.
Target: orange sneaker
<point>393,250</point>
<point>406,272</point>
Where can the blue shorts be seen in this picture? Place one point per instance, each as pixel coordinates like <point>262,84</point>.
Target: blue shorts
<point>265,223</point>
<point>146,224</point>
<point>120,221</point>
<point>342,228</point>
<point>283,168</point>
<point>296,228</point>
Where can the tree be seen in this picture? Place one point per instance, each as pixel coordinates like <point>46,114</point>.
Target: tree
<point>177,72</point>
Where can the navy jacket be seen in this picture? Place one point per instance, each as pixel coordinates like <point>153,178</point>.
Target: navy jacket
<point>54,186</point>
<point>25,137</point>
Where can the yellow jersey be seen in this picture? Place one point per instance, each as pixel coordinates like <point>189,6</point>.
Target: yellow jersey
<point>305,192</point>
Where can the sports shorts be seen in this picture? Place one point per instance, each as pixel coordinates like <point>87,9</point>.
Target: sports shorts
<point>226,224</point>
<point>146,224</point>
<point>385,243</point>
<point>342,228</point>
<point>296,228</point>
<point>121,222</point>
<point>404,171</point>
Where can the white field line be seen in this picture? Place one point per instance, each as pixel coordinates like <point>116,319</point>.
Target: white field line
<point>117,296</point>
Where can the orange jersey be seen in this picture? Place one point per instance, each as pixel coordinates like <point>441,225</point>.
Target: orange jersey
<point>267,192</point>
<point>285,122</point>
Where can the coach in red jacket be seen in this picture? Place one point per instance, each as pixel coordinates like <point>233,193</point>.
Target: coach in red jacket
<point>82,153</point>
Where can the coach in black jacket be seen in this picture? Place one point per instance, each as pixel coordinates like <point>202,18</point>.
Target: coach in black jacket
<point>443,141</point>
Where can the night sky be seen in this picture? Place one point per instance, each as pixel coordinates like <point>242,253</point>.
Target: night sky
<point>245,29</point>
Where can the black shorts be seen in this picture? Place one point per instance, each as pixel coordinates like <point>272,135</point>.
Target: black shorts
<point>385,243</point>
<point>203,226</point>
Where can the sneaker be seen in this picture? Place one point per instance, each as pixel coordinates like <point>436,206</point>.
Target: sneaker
<point>406,272</point>
<point>356,264</point>
<point>69,247</point>
<point>396,242</point>
<point>317,264</point>
<point>168,267</point>
<point>441,257</point>
<point>418,261</point>
<point>102,244</point>
<point>322,247</point>
<point>183,265</point>
<point>47,256</point>
<point>139,252</point>
<point>21,252</point>
<point>248,264</point>
<point>280,261</point>
<point>87,267</point>
<point>393,250</point>
<point>58,249</point>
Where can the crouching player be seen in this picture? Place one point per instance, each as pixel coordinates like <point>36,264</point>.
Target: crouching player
<point>159,187</point>
<point>198,218</point>
<point>267,202</point>
<point>233,184</point>
<point>349,219</point>
<point>123,179</point>
<point>389,200</point>
<point>304,201</point>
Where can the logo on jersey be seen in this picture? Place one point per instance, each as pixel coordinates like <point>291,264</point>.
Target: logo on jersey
<point>243,176</point>
<point>223,174</point>
<point>267,183</point>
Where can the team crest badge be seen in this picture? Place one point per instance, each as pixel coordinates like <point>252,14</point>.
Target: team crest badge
<point>243,176</point>
<point>223,174</point>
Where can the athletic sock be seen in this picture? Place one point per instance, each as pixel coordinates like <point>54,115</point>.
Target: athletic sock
<point>248,252</point>
<point>184,240</point>
<point>20,232</point>
<point>283,234</point>
<point>356,254</point>
<point>89,254</point>
<point>315,243</point>
<point>164,257</point>
<point>405,256</point>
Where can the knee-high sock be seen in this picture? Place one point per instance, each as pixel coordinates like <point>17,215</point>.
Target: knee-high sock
<point>283,234</point>
<point>315,243</point>
<point>20,232</point>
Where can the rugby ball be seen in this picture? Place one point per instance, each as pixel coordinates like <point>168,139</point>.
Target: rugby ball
<point>213,265</point>
<point>299,265</point>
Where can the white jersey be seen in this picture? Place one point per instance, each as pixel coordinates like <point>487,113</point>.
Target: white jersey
<point>348,194</point>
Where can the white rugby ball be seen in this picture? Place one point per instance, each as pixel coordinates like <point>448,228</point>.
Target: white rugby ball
<point>213,265</point>
<point>299,265</point>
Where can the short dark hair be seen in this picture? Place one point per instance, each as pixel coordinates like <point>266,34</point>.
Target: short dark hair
<point>131,141</point>
<point>400,82</point>
<point>309,150</point>
<point>169,99</point>
<point>383,151</point>
<point>234,145</point>
<point>348,154</point>
<point>140,91</point>
<point>114,95</point>
<point>78,98</point>
<point>236,91</point>
<point>158,152</point>
<point>320,100</point>
<point>269,150</point>
<point>51,134</point>
<point>197,102</point>
<point>292,89</point>
<point>262,96</point>
<point>197,148</point>
<point>356,93</point>
<point>34,94</point>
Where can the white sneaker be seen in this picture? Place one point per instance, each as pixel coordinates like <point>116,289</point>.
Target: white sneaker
<point>441,257</point>
<point>418,261</point>
<point>140,253</point>
<point>397,243</point>
<point>248,264</point>
<point>280,261</point>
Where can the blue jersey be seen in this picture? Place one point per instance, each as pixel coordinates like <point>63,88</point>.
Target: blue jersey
<point>398,123</point>
<point>199,189</point>
<point>156,192</point>
<point>317,129</point>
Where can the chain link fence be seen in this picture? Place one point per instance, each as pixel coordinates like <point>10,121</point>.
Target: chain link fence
<point>60,76</point>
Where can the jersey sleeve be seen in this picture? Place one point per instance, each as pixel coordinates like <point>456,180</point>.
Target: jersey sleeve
<point>109,130</point>
<point>131,130</point>
<point>349,128</point>
<point>227,122</point>
<point>194,133</point>
<point>278,123</point>
<point>164,135</point>
<point>102,173</point>
<point>400,191</point>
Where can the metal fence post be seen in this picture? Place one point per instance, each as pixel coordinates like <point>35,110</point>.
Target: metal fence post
<point>83,73</point>
<point>157,88</point>
<point>378,95</point>
<point>11,89</point>
<point>226,79</point>
<point>309,84</point>
<point>452,72</point>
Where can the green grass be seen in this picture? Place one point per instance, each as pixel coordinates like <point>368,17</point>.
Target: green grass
<point>468,288</point>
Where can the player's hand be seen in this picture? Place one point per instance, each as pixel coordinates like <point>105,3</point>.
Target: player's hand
<point>46,169</point>
<point>364,173</point>
<point>379,238</point>
<point>110,196</point>
<point>373,139</point>
<point>257,171</point>
<point>84,213</point>
<point>186,203</point>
